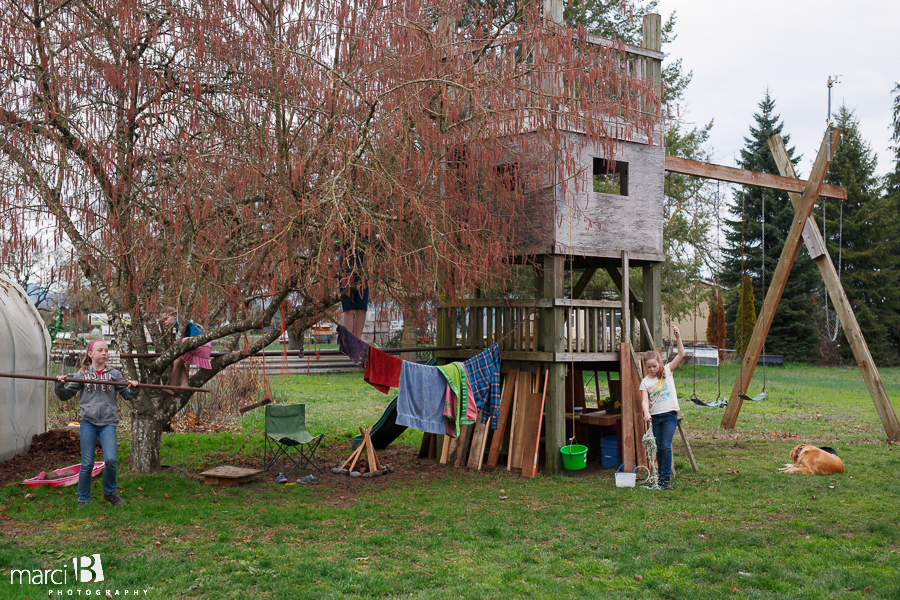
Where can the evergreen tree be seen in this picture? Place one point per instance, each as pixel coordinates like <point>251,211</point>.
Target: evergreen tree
<point>715,324</point>
<point>892,181</point>
<point>793,332</point>
<point>745,320</point>
<point>863,237</point>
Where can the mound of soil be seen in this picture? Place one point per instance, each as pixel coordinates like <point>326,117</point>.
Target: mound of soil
<point>51,450</point>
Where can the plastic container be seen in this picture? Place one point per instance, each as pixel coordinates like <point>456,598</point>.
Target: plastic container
<point>625,479</point>
<point>609,451</point>
<point>574,457</point>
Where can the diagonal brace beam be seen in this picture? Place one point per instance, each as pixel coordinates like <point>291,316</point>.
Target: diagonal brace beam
<point>779,280</point>
<point>841,305</point>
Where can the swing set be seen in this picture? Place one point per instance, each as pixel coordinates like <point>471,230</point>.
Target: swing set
<point>803,230</point>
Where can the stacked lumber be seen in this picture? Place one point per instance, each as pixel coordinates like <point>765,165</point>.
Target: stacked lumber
<point>517,435</point>
<point>633,425</point>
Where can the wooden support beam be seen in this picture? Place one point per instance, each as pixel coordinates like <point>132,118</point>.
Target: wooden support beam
<point>841,304</point>
<point>583,282</point>
<point>686,166</point>
<point>553,339</point>
<point>626,300</point>
<point>628,442</point>
<point>636,302</point>
<point>651,309</point>
<point>779,280</point>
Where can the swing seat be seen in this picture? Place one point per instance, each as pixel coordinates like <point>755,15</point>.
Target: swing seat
<point>714,404</point>
<point>756,398</point>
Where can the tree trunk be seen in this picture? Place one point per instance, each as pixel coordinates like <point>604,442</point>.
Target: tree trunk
<point>295,340</point>
<point>146,436</point>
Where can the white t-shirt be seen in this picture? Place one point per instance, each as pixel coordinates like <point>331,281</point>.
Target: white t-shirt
<point>663,397</point>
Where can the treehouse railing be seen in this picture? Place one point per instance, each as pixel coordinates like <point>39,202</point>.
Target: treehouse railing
<point>590,328</point>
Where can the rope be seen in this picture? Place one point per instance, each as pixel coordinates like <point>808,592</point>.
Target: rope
<point>649,443</point>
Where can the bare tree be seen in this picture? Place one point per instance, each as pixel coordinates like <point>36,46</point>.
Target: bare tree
<point>234,159</point>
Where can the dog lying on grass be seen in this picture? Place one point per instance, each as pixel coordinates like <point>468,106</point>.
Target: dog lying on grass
<point>814,461</point>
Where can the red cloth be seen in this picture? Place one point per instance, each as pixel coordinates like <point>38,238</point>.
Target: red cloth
<point>382,370</point>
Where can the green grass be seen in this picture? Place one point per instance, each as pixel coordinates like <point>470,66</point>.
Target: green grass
<point>737,529</point>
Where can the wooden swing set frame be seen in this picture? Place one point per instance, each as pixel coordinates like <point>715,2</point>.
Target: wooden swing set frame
<point>803,228</point>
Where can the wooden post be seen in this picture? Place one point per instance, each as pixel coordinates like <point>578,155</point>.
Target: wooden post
<point>652,40</point>
<point>627,383</point>
<point>626,312</point>
<point>552,331</point>
<point>652,301</point>
<point>842,307</point>
<point>779,280</point>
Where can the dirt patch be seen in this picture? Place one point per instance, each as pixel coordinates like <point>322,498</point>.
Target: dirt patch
<point>50,450</point>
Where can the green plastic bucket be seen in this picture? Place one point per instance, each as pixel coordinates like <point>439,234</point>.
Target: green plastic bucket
<point>574,457</point>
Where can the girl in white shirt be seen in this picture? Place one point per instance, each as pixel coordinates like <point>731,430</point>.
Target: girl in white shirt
<point>659,401</point>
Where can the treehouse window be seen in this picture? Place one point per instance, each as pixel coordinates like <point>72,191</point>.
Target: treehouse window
<point>611,176</point>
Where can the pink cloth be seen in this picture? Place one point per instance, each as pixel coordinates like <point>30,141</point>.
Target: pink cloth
<point>471,407</point>
<point>199,357</point>
<point>449,405</point>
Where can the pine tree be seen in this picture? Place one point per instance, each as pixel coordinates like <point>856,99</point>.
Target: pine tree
<point>745,320</point>
<point>793,332</point>
<point>715,324</point>
<point>892,180</point>
<point>863,237</point>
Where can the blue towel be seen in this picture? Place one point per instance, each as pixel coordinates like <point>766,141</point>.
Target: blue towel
<point>420,403</point>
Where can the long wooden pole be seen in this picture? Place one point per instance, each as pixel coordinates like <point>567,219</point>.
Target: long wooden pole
<point>104,382</point>
<point>779,280</point>
<point>328,352</point>
<point>841,304</point>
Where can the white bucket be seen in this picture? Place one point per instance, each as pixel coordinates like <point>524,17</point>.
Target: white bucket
<point>625,479</point>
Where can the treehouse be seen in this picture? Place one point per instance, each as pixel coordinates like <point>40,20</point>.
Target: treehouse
<point>608,216</point>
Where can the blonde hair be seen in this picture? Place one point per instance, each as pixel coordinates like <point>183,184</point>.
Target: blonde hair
<point>652,355</point>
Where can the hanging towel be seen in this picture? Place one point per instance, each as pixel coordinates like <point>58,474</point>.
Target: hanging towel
<point>420,402</point>
<point>483,376</point>
<point>451,404</point>
<point>352,346</point>
<point>383,370</point>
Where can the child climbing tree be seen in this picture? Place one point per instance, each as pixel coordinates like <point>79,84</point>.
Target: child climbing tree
<point>219,157</point>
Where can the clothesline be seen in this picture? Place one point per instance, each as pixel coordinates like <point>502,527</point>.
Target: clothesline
<point>432,399</point>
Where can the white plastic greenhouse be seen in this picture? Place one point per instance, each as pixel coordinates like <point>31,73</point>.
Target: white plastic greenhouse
<point>24,350</point>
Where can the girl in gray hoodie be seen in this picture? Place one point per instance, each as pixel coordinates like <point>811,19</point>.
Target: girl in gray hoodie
<point>99,416</point>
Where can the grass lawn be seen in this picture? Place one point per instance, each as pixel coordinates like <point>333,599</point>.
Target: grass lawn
<point>736,529</point>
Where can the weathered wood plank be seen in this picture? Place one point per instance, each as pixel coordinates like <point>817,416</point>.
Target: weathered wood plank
<point>506,401</point>
<point>686,166</point>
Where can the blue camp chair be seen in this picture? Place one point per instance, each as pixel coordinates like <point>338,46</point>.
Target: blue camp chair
<point>286,437</point>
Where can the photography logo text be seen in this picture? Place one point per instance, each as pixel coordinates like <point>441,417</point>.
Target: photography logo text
<point>85,570</point>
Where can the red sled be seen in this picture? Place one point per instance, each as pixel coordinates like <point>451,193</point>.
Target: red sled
<point>70,473</point>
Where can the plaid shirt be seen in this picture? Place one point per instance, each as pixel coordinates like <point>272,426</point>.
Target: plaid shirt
<point>483,378</point>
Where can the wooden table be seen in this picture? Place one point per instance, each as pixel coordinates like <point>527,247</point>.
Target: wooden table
<point>589,427</point>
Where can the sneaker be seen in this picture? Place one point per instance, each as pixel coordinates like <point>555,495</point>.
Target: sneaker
<point>83,503</point>
<point>666,485</point>
<point>114,499</point>
<point>281,479</point>
<point>309,480</point>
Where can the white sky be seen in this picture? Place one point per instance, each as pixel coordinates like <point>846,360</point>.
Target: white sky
<point>738,48</point>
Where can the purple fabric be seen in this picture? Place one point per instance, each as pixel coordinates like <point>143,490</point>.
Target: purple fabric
<point>483,378</point>
<point>352,346</point>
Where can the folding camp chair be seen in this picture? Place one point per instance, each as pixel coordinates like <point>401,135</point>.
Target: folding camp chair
<point>286,436</point>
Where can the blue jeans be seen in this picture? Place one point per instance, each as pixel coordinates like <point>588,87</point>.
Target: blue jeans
<point>664,430</point>
<point>89,434</point>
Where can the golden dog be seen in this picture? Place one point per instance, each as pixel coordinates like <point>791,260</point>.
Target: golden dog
<point>813,461</point>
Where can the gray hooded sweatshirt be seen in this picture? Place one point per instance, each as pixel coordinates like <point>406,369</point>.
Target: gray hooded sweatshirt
<point>98,400</point>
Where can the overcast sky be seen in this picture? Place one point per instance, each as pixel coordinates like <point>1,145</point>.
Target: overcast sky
<point>738,48</point>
